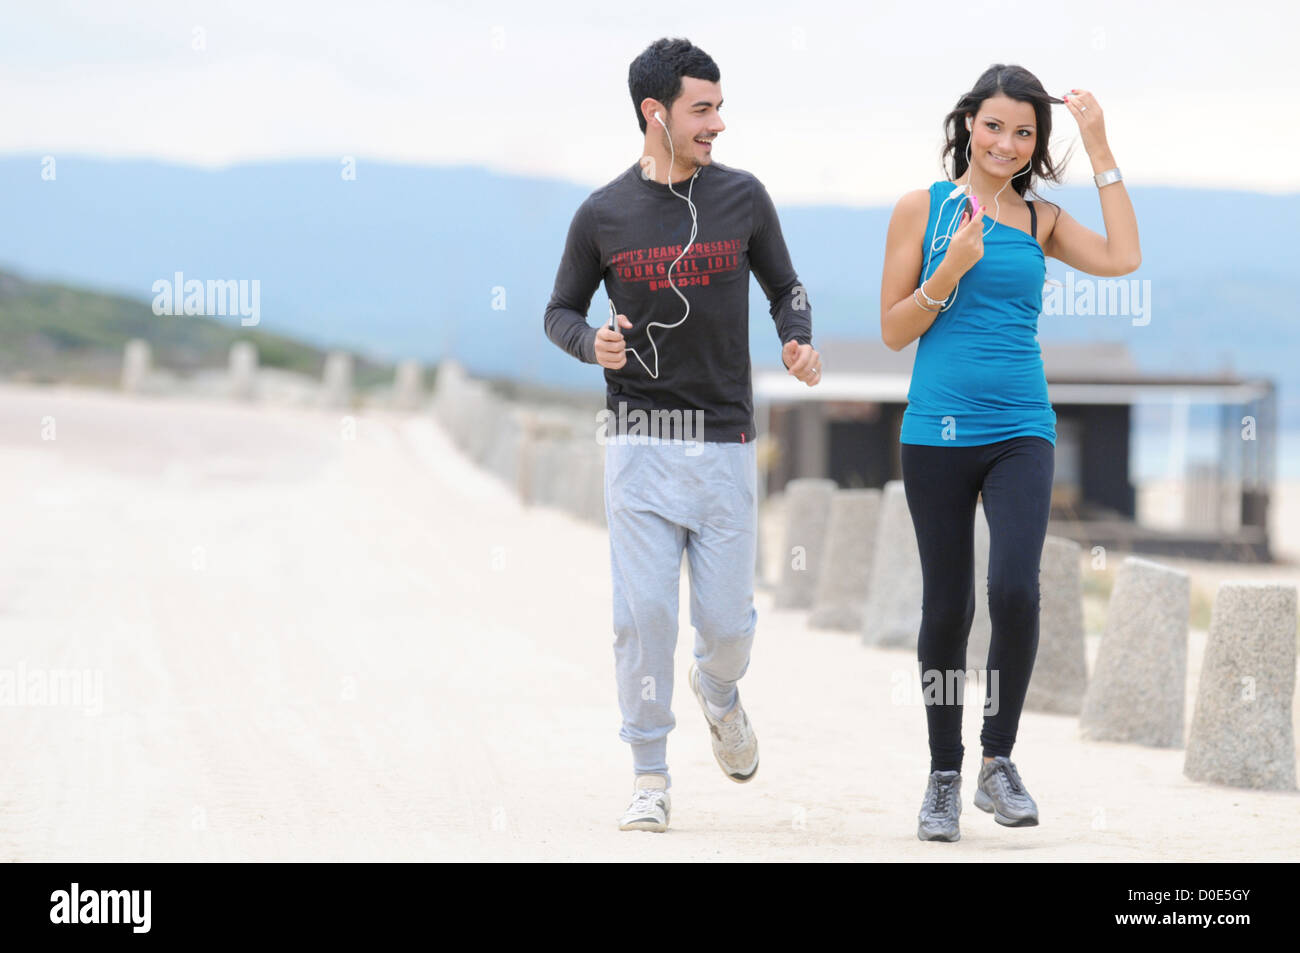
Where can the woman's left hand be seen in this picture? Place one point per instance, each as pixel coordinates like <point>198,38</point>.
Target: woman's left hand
<point>1087,113</point>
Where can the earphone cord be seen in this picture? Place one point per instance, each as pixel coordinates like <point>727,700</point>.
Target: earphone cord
<point>689,242</point>
<point>940,242</point>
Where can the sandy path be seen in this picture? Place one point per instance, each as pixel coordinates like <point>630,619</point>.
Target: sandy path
<point>320,648</point>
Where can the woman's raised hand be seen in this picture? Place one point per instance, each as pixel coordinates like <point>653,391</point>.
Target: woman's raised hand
<point>1087,113</point>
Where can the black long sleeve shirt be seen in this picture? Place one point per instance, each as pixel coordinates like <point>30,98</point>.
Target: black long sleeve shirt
<point>627,234</point>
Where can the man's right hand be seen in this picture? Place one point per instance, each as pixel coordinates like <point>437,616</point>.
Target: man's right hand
<point>611,350</point>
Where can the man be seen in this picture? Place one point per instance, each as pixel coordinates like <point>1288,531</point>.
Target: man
<point>673,239</point>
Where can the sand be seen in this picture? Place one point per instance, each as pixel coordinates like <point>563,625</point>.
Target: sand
<point>319,648</point>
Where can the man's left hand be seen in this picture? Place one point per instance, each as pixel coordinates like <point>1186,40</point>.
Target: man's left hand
<point>803,362</point>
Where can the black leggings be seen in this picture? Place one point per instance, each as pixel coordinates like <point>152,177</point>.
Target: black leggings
<point>942,484</point>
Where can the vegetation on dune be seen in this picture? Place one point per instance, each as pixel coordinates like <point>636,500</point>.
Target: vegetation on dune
<point>54,333</point>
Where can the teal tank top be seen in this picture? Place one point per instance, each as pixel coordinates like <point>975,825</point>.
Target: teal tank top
<point>978,375</point>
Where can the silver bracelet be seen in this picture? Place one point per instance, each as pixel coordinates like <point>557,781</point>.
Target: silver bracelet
<point>921,304</point>
<point>934,303</point>
<point>1108,177</point>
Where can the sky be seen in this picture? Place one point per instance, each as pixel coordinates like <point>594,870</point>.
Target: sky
<point>836,103</point>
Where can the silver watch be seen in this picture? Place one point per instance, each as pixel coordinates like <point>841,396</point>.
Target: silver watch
<point>1107,177</point>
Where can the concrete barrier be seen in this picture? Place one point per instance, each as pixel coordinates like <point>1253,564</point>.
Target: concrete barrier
<point>241,370</point>
<point>841,593</point>
<point>807,512</point>
<point>1060,676</point>
<point>336,382</point>
<point>408,385</point>
<point>137,361</point>
<point>892,616</point>
<point>1138,686</point>
<point>1242,730</point>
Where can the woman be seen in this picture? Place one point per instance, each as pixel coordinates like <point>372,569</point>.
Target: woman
<point>964,272</point>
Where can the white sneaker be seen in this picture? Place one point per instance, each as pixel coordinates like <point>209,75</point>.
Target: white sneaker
<point>735,746</point>
<point>650,805</point>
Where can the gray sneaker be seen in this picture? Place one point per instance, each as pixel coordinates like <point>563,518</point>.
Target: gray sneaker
<point>650,807</point>
<point>1001,793</point>
<point>735,746</point>
<point>941,807</point>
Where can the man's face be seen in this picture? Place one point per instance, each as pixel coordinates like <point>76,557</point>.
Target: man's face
<point>694,121</point>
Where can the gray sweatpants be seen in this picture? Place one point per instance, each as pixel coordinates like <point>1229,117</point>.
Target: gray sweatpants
<point>661,499</point>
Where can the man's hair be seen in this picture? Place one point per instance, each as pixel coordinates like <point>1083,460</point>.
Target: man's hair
<point>657,73</point>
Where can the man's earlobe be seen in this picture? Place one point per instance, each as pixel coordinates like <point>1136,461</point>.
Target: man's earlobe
<point>649,109</point>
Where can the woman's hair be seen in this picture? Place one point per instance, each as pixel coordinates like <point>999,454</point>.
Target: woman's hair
<point>1014,82</point>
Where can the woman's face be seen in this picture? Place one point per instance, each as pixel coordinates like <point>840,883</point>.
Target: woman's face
<point>1003,136</point>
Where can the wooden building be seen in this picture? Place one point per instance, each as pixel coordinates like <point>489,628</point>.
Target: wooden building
<point>847,428</point>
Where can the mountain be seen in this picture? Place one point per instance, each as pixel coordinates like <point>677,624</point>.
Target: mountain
<point>409,261</point>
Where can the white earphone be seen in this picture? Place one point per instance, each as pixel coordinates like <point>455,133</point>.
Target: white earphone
<point>689,242</point>
<point>939,242</point>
